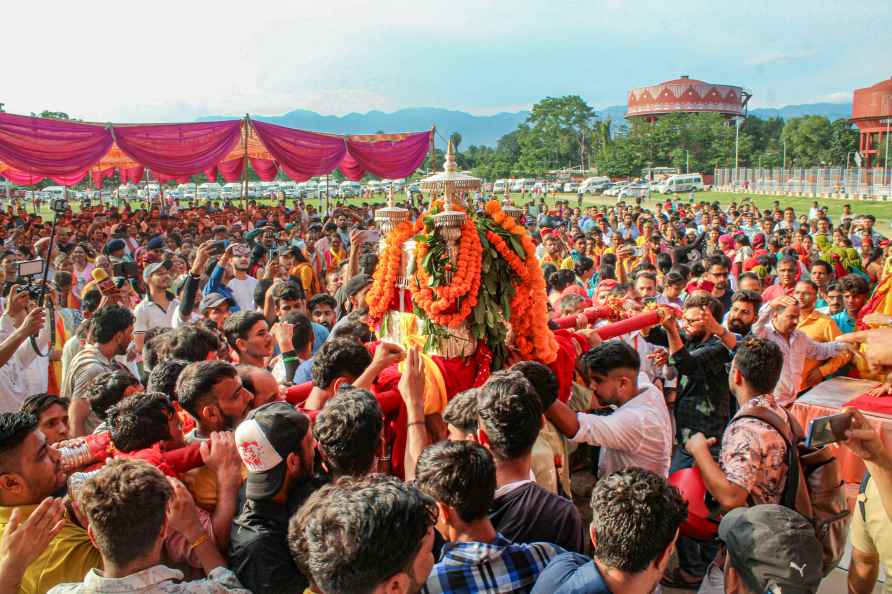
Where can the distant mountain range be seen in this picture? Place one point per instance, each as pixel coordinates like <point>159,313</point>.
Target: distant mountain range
<point>832,111</point>
<point>481,130</point>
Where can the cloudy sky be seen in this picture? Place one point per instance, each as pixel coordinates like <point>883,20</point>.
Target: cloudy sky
<point>168,61</point>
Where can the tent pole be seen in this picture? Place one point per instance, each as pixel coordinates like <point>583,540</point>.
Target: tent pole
<point>433,157</point>
<point>245,165</point>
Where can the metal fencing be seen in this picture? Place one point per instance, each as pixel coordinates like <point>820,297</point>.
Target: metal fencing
<point>817,182</point>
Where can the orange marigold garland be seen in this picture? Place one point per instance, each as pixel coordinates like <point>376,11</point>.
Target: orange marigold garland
<point>448,305</point>
<point>513,261</point>
<point>381,293</point>
<point>529,308</point>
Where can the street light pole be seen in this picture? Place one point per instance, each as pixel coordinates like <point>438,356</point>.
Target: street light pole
<point>687,161</point>
<point>736,148</point>
<point>886,165</point>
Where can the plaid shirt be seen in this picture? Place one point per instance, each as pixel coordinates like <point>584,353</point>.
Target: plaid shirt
<point>703,403</point>
<point>494,568</point>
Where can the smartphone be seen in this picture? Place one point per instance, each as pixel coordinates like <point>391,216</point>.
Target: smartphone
<point>218,247</point>
<point>829,429</point>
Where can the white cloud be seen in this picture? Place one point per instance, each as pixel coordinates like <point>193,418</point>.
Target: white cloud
<point>176,60</point>
<point>838,97</point>
<point>779,58</point>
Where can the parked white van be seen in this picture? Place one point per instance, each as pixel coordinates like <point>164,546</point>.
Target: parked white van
<point>687,182</point>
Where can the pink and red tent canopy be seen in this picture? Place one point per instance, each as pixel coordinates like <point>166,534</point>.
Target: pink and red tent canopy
<point>33,149</point>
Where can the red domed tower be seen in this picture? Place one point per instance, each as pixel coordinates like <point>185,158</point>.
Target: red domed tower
<point>686,95</point>
<point>871,112</point>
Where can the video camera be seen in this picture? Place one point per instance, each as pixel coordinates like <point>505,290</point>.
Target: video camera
<point>58,205</point>
<point>26,270</point>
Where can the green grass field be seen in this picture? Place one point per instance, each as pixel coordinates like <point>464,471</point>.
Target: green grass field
<point>881,210</point>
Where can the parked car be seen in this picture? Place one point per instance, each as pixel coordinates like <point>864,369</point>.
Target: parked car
<point>571,187</point>
<point>635,190</point>
<point>615,189</point>
<point>594,185</point>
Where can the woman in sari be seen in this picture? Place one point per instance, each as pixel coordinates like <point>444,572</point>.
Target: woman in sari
<point>841,254</point>
<point>303,270</point>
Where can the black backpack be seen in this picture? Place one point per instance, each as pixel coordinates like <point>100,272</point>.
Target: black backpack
<point>814,487</point>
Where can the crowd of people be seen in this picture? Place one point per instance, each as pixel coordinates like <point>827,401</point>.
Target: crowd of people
<point>194,401</point>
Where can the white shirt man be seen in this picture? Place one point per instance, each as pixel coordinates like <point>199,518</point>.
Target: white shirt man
<point>16,384</point>
<point>638,433</point>
<point>777,322</point>
<point>243,292</point>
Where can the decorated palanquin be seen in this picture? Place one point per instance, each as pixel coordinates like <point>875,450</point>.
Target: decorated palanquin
<point>465,286</point>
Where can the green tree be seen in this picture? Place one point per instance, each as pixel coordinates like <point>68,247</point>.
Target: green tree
<point>843,141</point>
<point>808,141</point>
<point>559,132</point>
<point>54,115</point>
<point>455,137</point>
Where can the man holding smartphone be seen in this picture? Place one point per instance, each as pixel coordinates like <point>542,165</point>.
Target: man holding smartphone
<point>753,461</point>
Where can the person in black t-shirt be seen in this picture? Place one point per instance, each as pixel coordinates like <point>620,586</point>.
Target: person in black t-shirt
<point>510,414</point>
<point>276,445</point>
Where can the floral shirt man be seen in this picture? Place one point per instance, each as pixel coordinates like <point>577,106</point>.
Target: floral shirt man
<point>155,580</point>
<point>754,454</point>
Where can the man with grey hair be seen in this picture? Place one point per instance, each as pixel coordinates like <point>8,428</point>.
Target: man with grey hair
<point>777,322</point>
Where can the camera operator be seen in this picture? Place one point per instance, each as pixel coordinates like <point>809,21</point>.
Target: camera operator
<point>21,319</point>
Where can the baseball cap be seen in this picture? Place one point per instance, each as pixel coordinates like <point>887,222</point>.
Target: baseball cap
<point>156,243</point>
<point>155,267</point>
<point>264,439</point>
<point>773,548</point>
<point>212,300</point>
<point>114,245</point>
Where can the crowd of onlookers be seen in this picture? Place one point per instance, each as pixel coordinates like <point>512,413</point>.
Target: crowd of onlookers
<point>194,401</point>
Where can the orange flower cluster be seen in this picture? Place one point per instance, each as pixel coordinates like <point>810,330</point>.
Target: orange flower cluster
<point>440,303</point>
<point>514,262</point>
<point>380,295</point>
<point>529,308</point>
